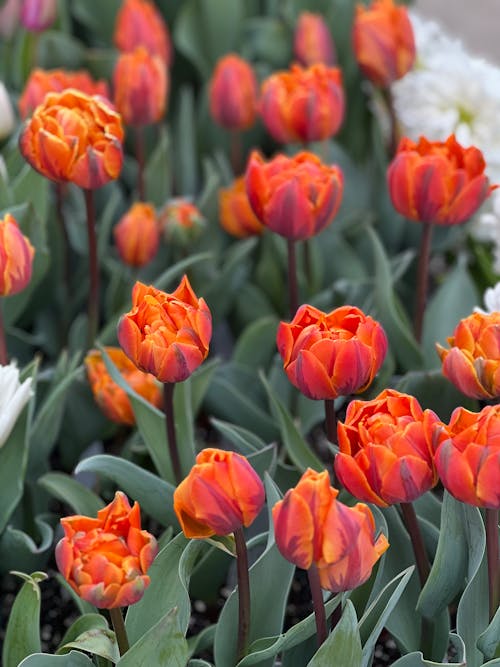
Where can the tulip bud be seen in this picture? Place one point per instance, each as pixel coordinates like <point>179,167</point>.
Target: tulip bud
<point>139,23</point>
<point>105,560</point>
<point>233,93</point>
<point>312,41</point>
<point>137,235</point>
<point>16,258</point>
<point>221,494</point>
<point>7,120</point>
<point>9,17</point>
<point>295,197</point>
<point>181,222</point>
<point>13,397</point>
<point>235,213</point>
<point>38,15</point>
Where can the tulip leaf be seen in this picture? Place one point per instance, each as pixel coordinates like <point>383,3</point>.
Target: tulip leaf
<point>71,492</point>
<point>184,425</point>
<point>98,640</point>
<point>158,172</point>
<point>71,659</point>
<point>245,441</point>
<point>19,550</point>
<point>256,346</point>
<point>343,646</point>
<point>163,644</point>
<point>199,663</point>
<point>200,383</point>
<point>184,139</point>
<point>165,279</point>
<point>416,659</point>
<point>22,636</point>
<point>489,641</point>
<point>153,494</point>
<point>83,624</point>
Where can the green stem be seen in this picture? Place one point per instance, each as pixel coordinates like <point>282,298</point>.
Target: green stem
<point>318,604</point>
<point>119,628</point>
<point>243,594</point>
<point>168,408</point>
<point>293,290</point>
<point>394,138</point>
<point>492,549</point>
<point>4,357</point>
<point>93,303</point>
<point>331,421</point>
<point>422,278</point>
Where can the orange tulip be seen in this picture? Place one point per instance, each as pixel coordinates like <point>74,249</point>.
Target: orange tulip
<point>386,449</point>
<point>139,23</point>
<point>383,41</point>
<point>327,355</point>
<point>181,221</point>
<point>312,42</point>
<point>16,257</point>
<point>166,334</point>
<point>437,182</point>
<point>137,235</point>
<point>105,560</point>
<point>221,494</point>
<point>295,197</point>
<point>74,137</point>
<point>109,396</point>
<point>40,82</point>
<point>235,213</point>
<point>313,528</point>
<point>302,105</point>
<point>141,87</point>
<point>233,93</point>
<point>468,460</point>
<point>473,362</point>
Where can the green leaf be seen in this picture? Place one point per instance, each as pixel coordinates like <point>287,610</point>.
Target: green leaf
<point>184,138</point>
<point>71,492</point>
<point>163,644</point>
<point>343,647</point>
<point>264,460</point>
<point>72,659</point>
<point>97,639</point>
<point>158,172</point>
<point>82,624</point>
<point>200,383</point>
<point>245,441</point>
<point>416,659</point>
<point>184,425</point>
<point>489,641</point>
<point>19,550</point>
<point>256,346</point>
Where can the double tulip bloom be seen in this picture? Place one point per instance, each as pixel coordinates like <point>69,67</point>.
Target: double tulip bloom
<point>137,235</point>
<point>327,355</point>
<point>235,213</point>
<point>166,334</point>
<point>105,559</point>
<point>303,104</point>
<point>16,258</point>
<point>386,449</point>
<point>233,93</point>
<point>295,197</point>
<point>437,182</point>
<point>221,494</point>
<point>139,23</point>
<point>383,41</point>
<point>473,361</point>
<point>312,41</point>
<point>312,528</point>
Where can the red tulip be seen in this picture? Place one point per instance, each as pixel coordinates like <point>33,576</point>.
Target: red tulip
<point>233,93</point>
<point>139,23</point>
<point>312,41</point>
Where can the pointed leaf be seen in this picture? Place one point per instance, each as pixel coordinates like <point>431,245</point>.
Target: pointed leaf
<point>343,646</point>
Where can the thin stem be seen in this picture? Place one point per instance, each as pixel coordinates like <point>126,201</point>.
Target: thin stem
<point>93,303</point>
<point>119,628</point>
<point>318,604</point>
<point>492,549</point>
<point>411,523</point>
<point>141,160</point>
<point>168,408</point>
<point>243,594</point>
<point>4,357</point>
<point>422,278</point>
<point>394,136</point>
<point>331,421</point>
<point>66,263</point>
<point>306,246</point>
<point>236,151</point>
<point>293,290</point>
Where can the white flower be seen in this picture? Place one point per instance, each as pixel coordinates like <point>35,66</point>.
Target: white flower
<point>7,120</point>
<point>13,398</point>
<point>491,300</point>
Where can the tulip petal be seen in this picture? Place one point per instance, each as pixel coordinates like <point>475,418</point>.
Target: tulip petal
<point>354,479</point>
<point>295,545</point>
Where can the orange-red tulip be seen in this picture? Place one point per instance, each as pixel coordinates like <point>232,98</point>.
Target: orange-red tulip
<point>140,83</point>
<point>181,221</point>
<point>109,396</point>
<point>295,197</point>
<point>16,257</point>
<point>312,41</point>
<point>235,213</point>
<point>468,459</point>
<point>105,560</point>
<point>386,449</point>
<point>137,235</point>
<point>38,15</point>
<point>139,23</point>
<point>383,41</point>
<point>233,93</point>
<point>437,182</point>
<point>327,355</point>
<point>312,527</point>
<point>166,334</point>
<point>473,362</point>
<point>74,137</point>
<point>40,82</point>
<point>303,104</point>
<point>221,494</point>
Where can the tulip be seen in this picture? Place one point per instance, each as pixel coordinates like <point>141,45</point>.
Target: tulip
<point>38,15</point>
<point>9,18</point>
<point>137,235</point>
<point>105,560</point>
<point>312,41</point>
<point>16,258</point>
<point>181,221</point>
<point>235,213</point>
<point>468,458</point>
<point>74,137</point>
<point>40,82</point>
<point>166,334</point>
<point>327,355</point>
<point>221,494</point>
<point>295,197</point>
<point>233,93</point>
<point>386,449</point>
<point>109,396</point>
<point>7,120</point>
<point>14,395</point>
<point>303,104</point>
<point>383,41</point>
<point>139,23</point>
<point>473,361</point>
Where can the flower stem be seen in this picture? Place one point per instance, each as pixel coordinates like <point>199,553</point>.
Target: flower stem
<point>66,260</point>
<point>492,549</point>
<point>318,605</point>
<point>168,408</point>
<point>243,594</point>
<point>4,357</point>
<point>293,291</point>
<point>411,523</point>
<point>119,628</point>
<point>140,157</point>
<point>394,138</point>
<point>331,421</point>
<point>93,303</point>
<point>422,278</point>
<point>235,150</point>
